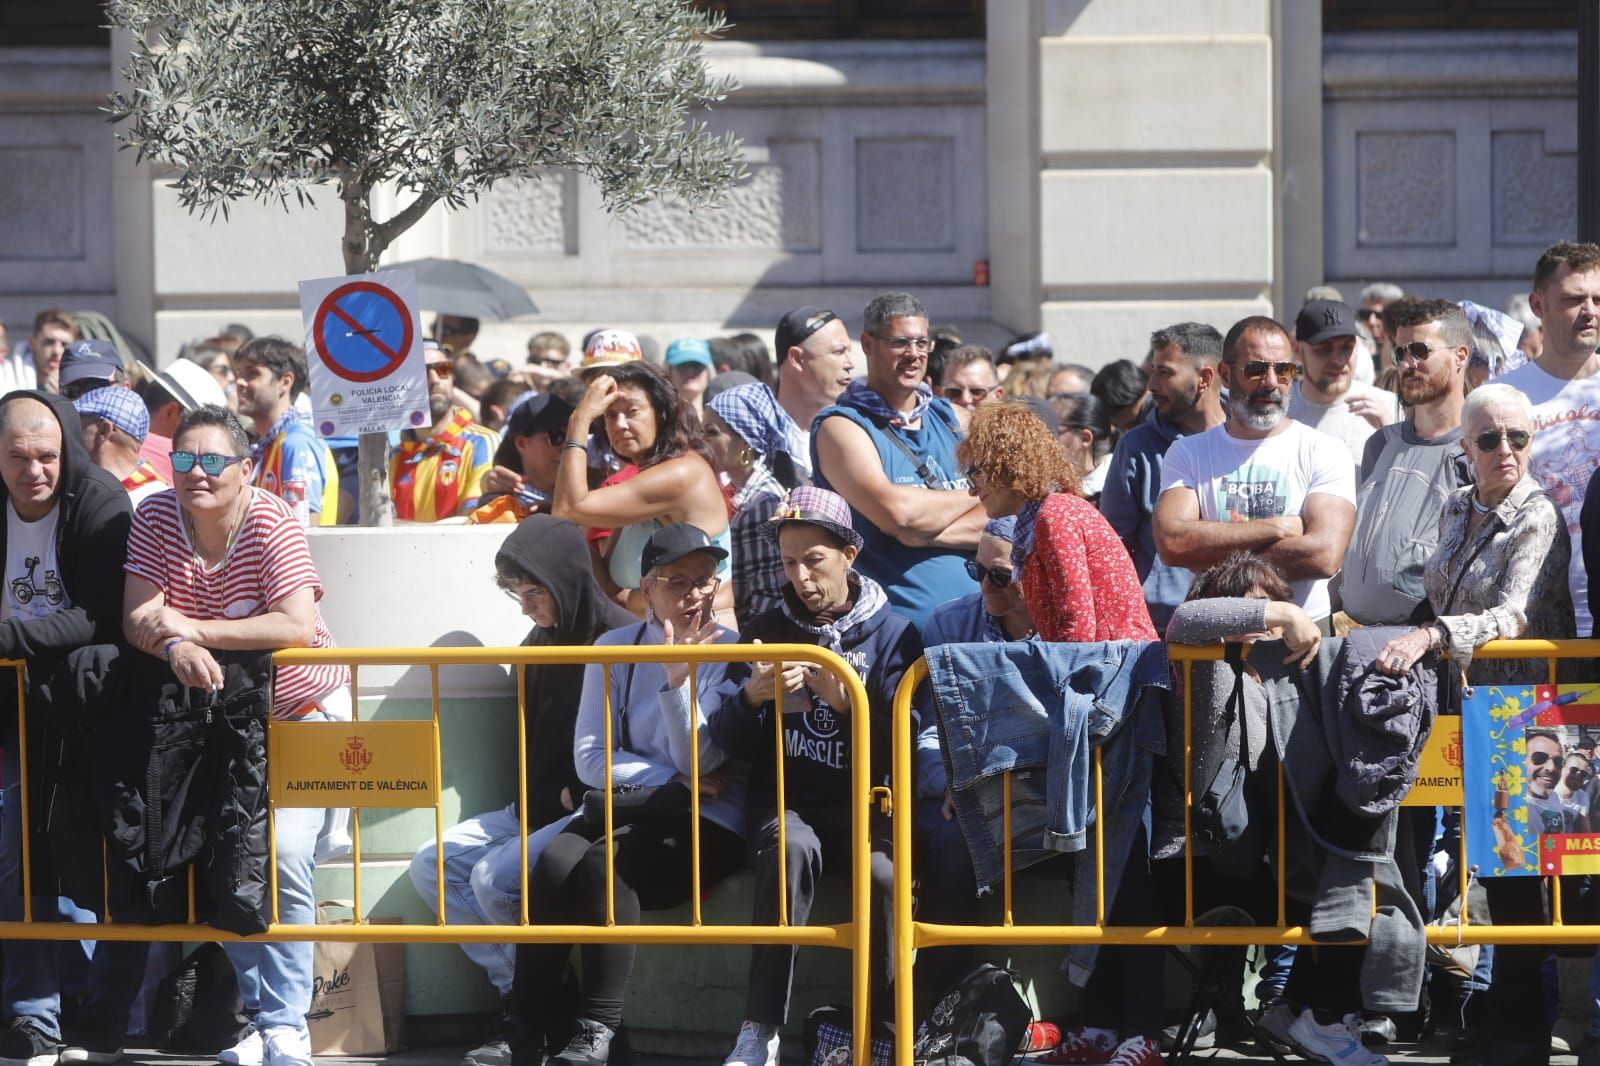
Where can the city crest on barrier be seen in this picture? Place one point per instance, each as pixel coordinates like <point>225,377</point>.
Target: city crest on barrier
<point>356,757</point>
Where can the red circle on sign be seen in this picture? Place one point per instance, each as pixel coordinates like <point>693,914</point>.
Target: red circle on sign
<point>329,306</point>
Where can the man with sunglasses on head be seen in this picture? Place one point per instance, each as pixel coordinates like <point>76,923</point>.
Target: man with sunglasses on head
<point>888,446</point>
<point>437,470</point>
<point>816,363</point>
<point>1326,395</point>
<point>1410,468</point>
<point>1260,482</point>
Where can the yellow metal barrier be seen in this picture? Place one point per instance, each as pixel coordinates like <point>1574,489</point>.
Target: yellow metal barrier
<point>853,935</point>
<point>910,934</point>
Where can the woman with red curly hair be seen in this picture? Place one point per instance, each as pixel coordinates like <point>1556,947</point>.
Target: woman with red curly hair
<point>1079,584</point>
<point>1077,577</point>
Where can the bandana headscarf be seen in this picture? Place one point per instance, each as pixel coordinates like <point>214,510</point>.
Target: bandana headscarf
<point>861,396</point>
<point>1022,539</point>
<point>753,412</point>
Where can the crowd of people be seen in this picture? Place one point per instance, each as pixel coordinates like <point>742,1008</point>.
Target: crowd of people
<point>1412,463</point>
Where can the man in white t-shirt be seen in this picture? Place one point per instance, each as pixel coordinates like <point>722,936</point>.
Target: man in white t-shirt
<point>1260,482</point>
<point>1327,396</point>
<point>1563,385</point>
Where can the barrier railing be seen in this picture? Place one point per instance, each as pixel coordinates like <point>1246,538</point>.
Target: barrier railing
<point>909,934</point>
<point>290,742</point>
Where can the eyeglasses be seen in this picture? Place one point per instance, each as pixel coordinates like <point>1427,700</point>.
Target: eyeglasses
<point>1490,441</point>
<point>1415,351</point>
<point>528,596</point>
<point>555,362</point>
<point>998,576</point>
<point>443,370</point>
<point>955,392</point>
<point>211,463</point>
<point>558,437</point>
<point>922,345</point>
<point>682,586</point>
<point>1539,758</point>
<point>972,473</point>
<point>84,387</point>
<point>1368,313</point>
<point>1577,773</point>
<point>1256,369</point>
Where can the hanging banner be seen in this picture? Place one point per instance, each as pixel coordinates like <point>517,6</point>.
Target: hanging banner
<point>1532,802</point>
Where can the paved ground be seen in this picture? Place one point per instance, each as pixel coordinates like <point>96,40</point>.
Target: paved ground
<point>451,1056</point>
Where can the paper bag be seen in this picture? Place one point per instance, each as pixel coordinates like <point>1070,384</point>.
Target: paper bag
<point>357,993</point>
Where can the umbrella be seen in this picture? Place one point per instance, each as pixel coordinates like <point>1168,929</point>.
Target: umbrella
<point>454,287</point>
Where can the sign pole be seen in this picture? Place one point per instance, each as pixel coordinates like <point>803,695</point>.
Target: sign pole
<point>372,462</point>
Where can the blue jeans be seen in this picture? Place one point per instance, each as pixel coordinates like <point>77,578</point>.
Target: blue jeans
<point>482,881</point>
<point>34,969</point>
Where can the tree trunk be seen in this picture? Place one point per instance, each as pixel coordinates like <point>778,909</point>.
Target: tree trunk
<point>360,256</point>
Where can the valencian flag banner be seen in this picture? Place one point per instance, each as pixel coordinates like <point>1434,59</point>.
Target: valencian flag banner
<point>1532,801</point>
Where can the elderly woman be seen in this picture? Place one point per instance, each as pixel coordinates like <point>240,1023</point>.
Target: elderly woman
<point>1500,572</point>
<point>1076,575</point>
<point>650,427</point>
<point>217,565</point>
<point>746,434</point>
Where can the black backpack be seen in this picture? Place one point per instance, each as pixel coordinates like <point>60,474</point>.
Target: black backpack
<point>982,1021</point>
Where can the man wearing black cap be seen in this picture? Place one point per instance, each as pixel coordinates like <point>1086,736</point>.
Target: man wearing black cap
<point>90,365</point>
<point>816,362</point>
<point>1327,395</point>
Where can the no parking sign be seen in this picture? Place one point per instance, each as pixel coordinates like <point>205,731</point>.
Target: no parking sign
<point>364,353</point>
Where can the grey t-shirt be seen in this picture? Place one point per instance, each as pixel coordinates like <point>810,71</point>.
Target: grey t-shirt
<point>1404,482</point>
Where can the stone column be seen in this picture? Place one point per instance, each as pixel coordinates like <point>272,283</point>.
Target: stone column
<point>1131,166</point>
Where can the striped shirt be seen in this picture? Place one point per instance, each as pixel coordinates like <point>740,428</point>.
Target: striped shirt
<point>269,560</point>
<point>441,474</point>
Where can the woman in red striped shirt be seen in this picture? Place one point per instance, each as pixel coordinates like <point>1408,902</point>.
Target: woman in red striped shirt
<point>214,564</point>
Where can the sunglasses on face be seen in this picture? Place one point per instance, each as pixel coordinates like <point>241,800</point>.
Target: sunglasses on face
<point>212,464</point>
<point>1256,369</point>
<point>1415,351</point>
<point>1577,773</point>
<point>1369,313</point>
<point>1490,441</point>
<point>443,370</point>
<point>955,392</point>
<point>999,577</point>
<point>1539,758</point>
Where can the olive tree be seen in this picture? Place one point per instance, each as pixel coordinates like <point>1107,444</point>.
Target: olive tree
<point>437,99</point>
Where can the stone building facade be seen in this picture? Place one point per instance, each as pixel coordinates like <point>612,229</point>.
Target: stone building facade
<point>1109,165</point>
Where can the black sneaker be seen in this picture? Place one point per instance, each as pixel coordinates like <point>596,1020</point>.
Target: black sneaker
<point>590,1046</point>
<point>25,1044</point>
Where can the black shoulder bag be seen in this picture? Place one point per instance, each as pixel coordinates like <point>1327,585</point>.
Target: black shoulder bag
<point>1222,819</point>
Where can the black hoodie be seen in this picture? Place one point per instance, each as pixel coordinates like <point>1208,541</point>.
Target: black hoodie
<point>91,546</point>
<point>554,555</point>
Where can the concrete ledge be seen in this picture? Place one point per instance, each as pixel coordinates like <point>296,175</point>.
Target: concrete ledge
<point>1364,66</point>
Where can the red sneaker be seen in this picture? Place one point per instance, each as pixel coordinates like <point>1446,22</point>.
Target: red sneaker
<point>1137,1051</point>
<point>1041,1036</point>
<point>1081,1045</point>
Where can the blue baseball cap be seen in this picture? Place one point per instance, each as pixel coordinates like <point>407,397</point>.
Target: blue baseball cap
<point>89,360</point>
<point>689,350</point>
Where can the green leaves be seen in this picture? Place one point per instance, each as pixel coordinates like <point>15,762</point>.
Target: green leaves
<point>263,99</point>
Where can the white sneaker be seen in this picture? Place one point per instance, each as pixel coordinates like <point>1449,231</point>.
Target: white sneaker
<point>285,1045</point>
<point>1339,1043</point>
<point>757,1046</point>
<point>247,1052</point>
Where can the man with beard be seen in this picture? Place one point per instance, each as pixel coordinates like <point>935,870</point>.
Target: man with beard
<point>1259,482</point>
<point>1185,398</point>
<point>437,471</point>
<point>1409,468</point>
<point>1542,768</point>
<point>888,446</point>
<point>1327,396</point>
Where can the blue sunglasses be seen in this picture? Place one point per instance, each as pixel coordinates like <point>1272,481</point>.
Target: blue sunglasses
<point>211,463</point>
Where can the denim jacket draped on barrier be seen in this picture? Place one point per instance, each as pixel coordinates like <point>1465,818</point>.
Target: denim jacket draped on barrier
<point>1037,709</point>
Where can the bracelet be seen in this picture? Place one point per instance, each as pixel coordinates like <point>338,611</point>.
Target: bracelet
<point>581,445</point>
<point>174,642</point>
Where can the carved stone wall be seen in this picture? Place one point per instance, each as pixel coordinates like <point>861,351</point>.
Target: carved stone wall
<point>1450,159</point>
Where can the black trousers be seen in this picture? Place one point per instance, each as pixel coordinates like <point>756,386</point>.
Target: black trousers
<point>814,839</point>
<point>651,871</point>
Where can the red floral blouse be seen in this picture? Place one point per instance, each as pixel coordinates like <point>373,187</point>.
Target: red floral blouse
<point>1079,583</point>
